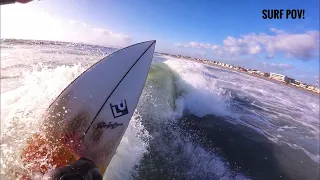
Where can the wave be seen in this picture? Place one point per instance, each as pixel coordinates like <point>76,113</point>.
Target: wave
<point>154,119</point>
<point>171,152</point>
<point>10,43</point>
<point>192,121</point>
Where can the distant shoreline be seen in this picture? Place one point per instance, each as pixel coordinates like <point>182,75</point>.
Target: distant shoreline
<point>166,54</point>
<point>258,76</point>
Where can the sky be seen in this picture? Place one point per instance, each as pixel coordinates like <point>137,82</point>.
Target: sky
<point>229,31</point>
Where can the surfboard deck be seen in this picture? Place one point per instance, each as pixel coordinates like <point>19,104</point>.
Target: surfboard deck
<point>96,107</point>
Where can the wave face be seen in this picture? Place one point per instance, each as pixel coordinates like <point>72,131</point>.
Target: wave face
<point>193,121</point>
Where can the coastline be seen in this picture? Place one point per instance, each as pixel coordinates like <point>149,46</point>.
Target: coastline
<point>258,76</point>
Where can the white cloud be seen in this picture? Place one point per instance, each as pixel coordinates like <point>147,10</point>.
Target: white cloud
<point>18,21</point>
<point>303,46</point>
<point>280,66</point>
<point>194,45</point>
<point>277,31</point>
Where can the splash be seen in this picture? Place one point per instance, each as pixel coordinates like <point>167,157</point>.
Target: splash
<point>24,107</point>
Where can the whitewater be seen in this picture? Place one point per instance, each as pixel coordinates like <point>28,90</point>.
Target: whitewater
<point>193,121</point>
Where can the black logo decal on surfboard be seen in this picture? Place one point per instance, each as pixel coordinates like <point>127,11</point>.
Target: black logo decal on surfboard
<point>119,109</point>
<point>111,125</point>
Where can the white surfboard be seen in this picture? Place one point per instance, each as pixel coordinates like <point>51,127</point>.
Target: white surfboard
<point>100,102</point>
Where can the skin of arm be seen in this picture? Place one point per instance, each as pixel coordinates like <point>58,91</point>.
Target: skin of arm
<point>3,2</point>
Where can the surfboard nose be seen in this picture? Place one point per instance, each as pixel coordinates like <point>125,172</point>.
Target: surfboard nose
<point>151,41</point>
<point>146,44</point>
<point>145,48</point>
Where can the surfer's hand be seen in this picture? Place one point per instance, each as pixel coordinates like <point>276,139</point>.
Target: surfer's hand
<point>80,169</point>
<point>4,2</point>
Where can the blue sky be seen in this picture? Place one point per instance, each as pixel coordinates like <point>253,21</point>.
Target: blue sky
<point>227,30</point>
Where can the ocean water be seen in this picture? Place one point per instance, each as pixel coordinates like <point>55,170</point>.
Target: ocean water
<point>193,121</point>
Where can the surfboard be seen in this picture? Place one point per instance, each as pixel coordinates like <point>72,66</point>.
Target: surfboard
<point>91,113</point>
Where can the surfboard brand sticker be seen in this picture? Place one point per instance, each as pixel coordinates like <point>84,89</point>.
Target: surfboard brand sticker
<point>119,109</point>
<point>111,125</point>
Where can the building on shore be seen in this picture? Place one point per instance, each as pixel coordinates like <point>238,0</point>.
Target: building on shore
<point>265,74</point>
<point>311,88</point>
<point>303,85</point>
<point>243,69</point>
<point>295,82</point>
<point>279,77</point>
<point>290,80</point>
<point>252,71</point>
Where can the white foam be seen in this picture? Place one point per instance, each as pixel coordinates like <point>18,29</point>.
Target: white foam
<point>131,149</point>
<point>2,55</point>
<point>172,145</point>
<point>21,116</point>
<point>200,95</point>
<point>272,107</point>
<point>24,106</point>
